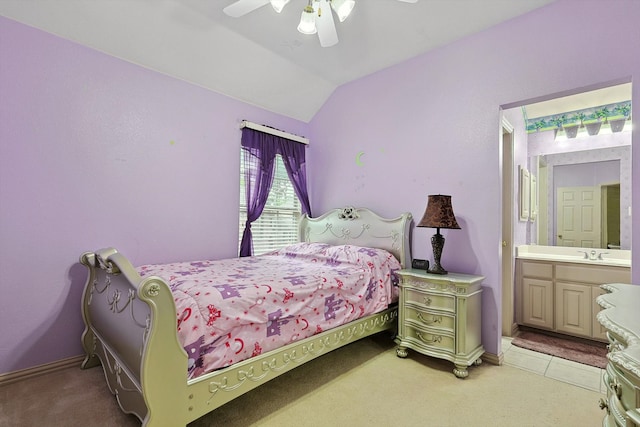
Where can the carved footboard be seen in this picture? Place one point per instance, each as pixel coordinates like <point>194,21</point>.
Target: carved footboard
<point>213,390</point>
<point>127,320</point>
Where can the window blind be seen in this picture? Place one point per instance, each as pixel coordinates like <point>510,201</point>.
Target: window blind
<point>278,224</point>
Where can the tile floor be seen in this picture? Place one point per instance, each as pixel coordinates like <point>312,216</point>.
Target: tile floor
<point>580,375</point>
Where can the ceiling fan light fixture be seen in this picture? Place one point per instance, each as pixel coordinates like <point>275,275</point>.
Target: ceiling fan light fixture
<point>308,21</point>
<point>342,8</point>
<point>278,5</point>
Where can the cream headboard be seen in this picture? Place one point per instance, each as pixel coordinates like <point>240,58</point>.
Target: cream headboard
<point>360,227</point>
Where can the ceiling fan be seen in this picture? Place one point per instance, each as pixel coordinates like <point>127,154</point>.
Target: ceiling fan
<point>316,16</point>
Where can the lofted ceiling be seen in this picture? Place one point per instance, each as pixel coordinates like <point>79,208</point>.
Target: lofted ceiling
<point>261,58</point>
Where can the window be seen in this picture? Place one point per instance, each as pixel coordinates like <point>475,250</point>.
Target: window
<point>278,224</point>
<point>260,154</point>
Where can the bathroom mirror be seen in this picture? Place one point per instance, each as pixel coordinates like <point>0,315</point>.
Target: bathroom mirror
<point>595,161</point>
<point>597,182</point>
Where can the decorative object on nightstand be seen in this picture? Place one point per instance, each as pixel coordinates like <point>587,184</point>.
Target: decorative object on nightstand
<point>439,214</point>
<point>420,264</point>
<point>440,316</point>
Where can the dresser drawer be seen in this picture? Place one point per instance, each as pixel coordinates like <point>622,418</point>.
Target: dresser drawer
<point>620,384</point>
<point>427,319</point>
<point>430,300</point>
<point>430,340</point>
<point>615,409</point>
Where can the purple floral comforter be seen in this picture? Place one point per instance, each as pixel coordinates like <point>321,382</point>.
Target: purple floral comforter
<point>233,309</point>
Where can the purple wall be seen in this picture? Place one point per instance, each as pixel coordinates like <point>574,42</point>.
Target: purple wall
<point>98,152</point>
<point>586,174</point>
<point>431,125</point>
<point>520,229</point>
<point>95,151</point>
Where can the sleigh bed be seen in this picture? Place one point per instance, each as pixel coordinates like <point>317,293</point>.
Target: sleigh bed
<point>133,318</point>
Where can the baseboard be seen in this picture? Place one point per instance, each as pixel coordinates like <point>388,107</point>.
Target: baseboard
<point>512,332</point>
<point>493,359</point>
<point>514,329</point>
<point>12,377</point>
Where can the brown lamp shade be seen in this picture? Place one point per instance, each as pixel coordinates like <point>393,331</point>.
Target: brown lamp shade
<point>439,213</point>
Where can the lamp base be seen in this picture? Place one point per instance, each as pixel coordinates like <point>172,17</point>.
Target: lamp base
<point>437,242</point>
<point>437,269</point>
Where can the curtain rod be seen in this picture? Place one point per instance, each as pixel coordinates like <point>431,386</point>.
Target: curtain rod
<point>272,131</point>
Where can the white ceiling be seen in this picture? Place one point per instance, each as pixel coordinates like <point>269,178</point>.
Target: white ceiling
<point>261,58</point>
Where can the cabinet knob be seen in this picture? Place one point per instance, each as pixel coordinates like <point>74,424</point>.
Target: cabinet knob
<point>617,388</point>
<point>604,405</point>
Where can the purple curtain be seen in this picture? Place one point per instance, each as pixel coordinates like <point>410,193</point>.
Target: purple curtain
<point>260,152</point>
<point>293,157</point>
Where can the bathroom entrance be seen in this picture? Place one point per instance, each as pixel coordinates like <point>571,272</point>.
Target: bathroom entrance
<point>534,142</point>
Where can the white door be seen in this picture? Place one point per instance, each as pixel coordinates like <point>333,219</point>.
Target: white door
<point>578,217</point>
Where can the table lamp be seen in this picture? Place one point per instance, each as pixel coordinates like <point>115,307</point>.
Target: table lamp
<point>439,214</point>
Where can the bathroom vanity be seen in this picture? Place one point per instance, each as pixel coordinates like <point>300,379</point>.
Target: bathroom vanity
<point>621,318</point>
<point>556,287</point>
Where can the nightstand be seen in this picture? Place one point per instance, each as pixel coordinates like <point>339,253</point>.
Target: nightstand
<point>440,316</point>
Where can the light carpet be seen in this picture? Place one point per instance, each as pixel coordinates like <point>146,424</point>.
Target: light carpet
<point>362,384</point>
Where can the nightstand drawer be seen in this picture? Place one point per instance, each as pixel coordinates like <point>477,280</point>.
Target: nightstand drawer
<point>430,340</point>
<point>421,318</point>
<point>429,300</point>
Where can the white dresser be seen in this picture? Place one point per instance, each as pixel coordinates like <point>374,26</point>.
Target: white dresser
<point>621,318</point>
<point>440,316</point>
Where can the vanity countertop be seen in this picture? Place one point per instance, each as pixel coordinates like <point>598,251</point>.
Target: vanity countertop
<point>610,257</point>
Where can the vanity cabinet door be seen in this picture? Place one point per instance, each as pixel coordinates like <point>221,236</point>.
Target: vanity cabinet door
<point>537,303</point>
<point>574,282</point>
<point>573,309</point>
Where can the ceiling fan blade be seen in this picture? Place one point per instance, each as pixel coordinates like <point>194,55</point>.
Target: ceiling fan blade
<point>324,23</point>
<point>242,7</point>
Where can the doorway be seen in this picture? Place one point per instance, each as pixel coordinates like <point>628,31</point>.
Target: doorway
<point>516,232</point>
<point>610,213</point>
<point>507,255</point>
